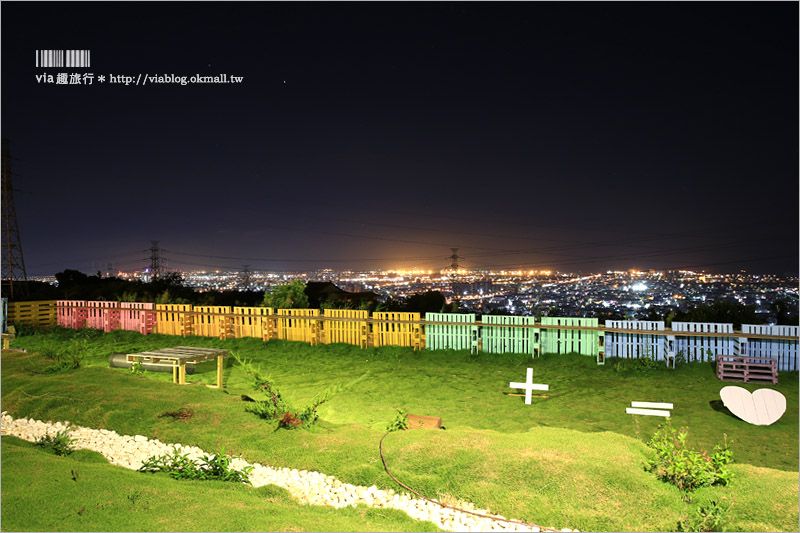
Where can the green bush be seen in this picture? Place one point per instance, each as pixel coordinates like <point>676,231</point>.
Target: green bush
<point>274,407</point>
<point>638,364</point>
<point>287,296</point>
<point>687,469</point>
<point>705,518</point>
<point>59,444</point>
<point>64,355</point>
<point>399,422</point>
<point>179,466</point>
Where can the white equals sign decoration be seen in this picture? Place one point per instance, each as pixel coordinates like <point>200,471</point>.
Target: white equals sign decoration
<point>649,409</point>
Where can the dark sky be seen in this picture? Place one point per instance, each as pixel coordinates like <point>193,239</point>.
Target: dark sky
<point>573,136</point>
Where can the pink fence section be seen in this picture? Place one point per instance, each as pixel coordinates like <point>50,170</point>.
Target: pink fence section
<point>96,313</point>
<point>137,316</point>
<point>71,313</point>
<point>111,319</point>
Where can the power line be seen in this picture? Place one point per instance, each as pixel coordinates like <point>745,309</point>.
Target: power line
<point>594,259</point>
<point>295,260</point>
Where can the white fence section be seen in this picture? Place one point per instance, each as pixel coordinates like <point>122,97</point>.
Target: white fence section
<point>785,352</point>
<point>705,348</point>
<point>635,345</point>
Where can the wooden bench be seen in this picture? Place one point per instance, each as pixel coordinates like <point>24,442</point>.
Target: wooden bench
<point>178,357</point>
<point>746,369</point>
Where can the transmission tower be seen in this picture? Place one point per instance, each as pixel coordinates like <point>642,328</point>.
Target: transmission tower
<point>246,277</point>
<point>455,286</point>
<point>454,260</point>
<point>155,260</point>
<point>13,260</point>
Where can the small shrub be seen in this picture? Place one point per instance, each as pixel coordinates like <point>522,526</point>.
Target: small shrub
<point>276,408</point>
<point>137,498</point>
<point>290,421</point>
<point>137,368</point>
<point>265,409</point>
<point>309,415</point>
<point>399,422</point>
<point>64,356</point>
<point>638,364</point>
<point>59,444</point>
<point>705,518</point>
<point>646,363</point>
<point>179,466</point>
<point>687,469</point>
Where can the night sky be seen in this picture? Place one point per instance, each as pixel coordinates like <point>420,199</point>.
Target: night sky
<point>574,136</point>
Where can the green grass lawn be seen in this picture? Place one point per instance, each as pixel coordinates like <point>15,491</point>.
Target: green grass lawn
<point>82,492</point>
<point>573,459</point>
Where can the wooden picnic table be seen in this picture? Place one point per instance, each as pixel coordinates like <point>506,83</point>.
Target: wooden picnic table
<point>178,357</point>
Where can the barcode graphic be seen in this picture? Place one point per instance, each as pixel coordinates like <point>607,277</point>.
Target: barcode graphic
<point>63,58</point>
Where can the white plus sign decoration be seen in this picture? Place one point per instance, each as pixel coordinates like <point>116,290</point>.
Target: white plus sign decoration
<point>529,386</point>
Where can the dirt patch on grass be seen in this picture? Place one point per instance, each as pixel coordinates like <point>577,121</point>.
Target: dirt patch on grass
<point>183,414</point>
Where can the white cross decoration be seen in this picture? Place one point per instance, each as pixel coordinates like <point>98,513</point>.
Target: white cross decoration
<point>529,386</point>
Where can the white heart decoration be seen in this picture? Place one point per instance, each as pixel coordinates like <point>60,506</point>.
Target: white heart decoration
<point>761,408</point>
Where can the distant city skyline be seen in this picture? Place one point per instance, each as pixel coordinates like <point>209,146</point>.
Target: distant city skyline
<point>632,294</point>
<point>579,137</point>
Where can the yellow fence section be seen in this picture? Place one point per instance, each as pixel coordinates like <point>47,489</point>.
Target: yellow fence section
<point>299,325</point>
<point>388,330</point>
<point>212,321</point>
<point>174,319</point>
<point>252,322</point>
<point>352,330</point>
<point>40,313</point>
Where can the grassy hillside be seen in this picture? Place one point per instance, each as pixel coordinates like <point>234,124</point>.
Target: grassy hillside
<point>40,494</point>
<point>573,459</point>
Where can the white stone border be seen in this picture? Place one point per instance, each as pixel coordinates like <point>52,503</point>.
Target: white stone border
<point>313,488</point>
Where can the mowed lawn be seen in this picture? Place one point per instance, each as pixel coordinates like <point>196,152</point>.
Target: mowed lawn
<point>573,459</point>
<point>82,492</point>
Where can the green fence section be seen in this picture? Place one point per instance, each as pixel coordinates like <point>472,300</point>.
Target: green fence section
<point>564,341</point>
<point>499,337</point>
<point>451,336</point>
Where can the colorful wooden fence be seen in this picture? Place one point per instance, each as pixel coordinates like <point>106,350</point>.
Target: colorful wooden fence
<point>212,321</point>
<point>391,328</point>
<point>493,334</point>
<point>461,335</point>
<point>253,322</point>
<point>703,347</point>
<point>351,327</point>
<point>40,313</point>
<point>71,313</point>
<point>785,352</point>
<point>498,335</point>
<point>564,341</point>
<point>137,316</point>
<point>96,313</point>
<point>299,325</point>
<point>634,345</point>
<point>173,319</point>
